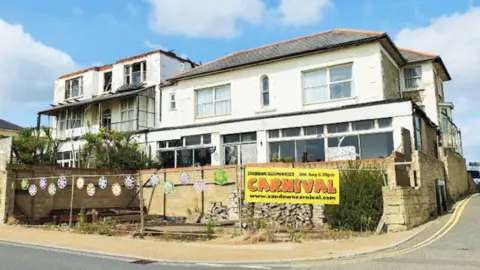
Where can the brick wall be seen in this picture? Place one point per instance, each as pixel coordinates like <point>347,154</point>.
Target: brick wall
<point>40,205</point>
<point>458,181</point>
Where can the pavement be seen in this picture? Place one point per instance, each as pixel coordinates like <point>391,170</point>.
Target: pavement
<point>451,242</point>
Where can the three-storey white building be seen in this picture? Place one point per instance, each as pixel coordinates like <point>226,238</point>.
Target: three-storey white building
<point>120,96</point>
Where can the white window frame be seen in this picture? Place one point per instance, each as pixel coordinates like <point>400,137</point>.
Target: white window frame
<point>107,87</point>
<point>127,106</point>
<point>214,100</point>
<point>69,88</point>
<point>128,72</point>
<point>416,78</point>
<point>265,91</point>
<point>173,102</point>
<point>328,83</point>
<point>184,146</point>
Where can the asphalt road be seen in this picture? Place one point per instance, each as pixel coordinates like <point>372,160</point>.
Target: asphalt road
<point>459,248</point>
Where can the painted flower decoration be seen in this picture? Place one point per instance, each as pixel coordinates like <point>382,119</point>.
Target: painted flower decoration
<point>62,182</point>
<point>32,190</point>
<point>102,182</point>
<point>199,185</point>
<point>130,182</point>
<point>43,183</point>
<point>52,189</point>
<point>25,184</point>
<point>168,187</point>
<point>154,180</point>
<point>116,189</point>
<point>220,176</point>
<point>80,182</point>
<point>90,189</point>
<point>184,178</point>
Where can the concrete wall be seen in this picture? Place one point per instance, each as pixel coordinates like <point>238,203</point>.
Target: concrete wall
<point>39,206</point>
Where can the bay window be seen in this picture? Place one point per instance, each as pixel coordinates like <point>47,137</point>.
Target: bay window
<point>213,101</point>
<point>328,84</point>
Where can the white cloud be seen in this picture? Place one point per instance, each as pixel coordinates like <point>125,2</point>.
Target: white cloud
<point>224,19</point>
<point>302,12</point>
<point>147,43</point>
<point>455,39</point>
<point>28,68</point>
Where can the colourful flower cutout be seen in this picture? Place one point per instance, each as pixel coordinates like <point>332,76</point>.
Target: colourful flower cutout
<point>116,189</point>
<point>43,183</point>
<point>154,180</point>
<point>25,184</point>
<point>32,190</point>
<point>199,184</point>
<point>102,182</point>
<point>90,189</point>
<point>52,189</point>
<point>220,176</point>
<point>130,182</point>
<point>168,187</point>
<point>62,182</point>
<point>184,178</point>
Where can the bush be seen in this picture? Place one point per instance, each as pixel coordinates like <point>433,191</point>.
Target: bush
<point>361,200</point>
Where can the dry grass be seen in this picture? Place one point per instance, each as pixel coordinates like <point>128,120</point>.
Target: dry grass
<point>12,221</point>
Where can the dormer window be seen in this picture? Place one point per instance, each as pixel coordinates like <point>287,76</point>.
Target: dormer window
<point>107,81</point>
<point>413,77</point>
<point>74,88</point>
<point>136,73</point>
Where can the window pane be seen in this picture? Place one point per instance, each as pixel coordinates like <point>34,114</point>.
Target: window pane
<point>274,133</point>
<point>193,140</point>
<point>222,107</point>
<point>413,72</point>
<point>248,153</point>
<point>222,93</point>
<point>290,132</point>
<point>205,109</point>
<point>249,137</point>
<point>203,157</point>
<point>167,159</point>
<point>310,150</point>
<point>384,122</point>
<point>314,78</point>
<point>175,143</point>
<point>184,158</point>
<point>363,125</point>
<point>345,149</point>
<point>336,128</point>
<point>266,99</point>
<point>316,94</point>
<point>231,155</point>
<point>232,138</point>
<point>341,73</point>
<point>162,144</point>
<point>376,145</point>
<point>313,130</point>
<point>265,84</point>
<point>207,139</point>
<point>282,150</point>
<point>204,96</point>
<point>340,90</point>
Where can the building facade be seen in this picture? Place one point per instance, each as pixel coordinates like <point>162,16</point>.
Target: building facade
<point>340,94</point>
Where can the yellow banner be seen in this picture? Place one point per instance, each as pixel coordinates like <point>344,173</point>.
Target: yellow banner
<point>285,185</point>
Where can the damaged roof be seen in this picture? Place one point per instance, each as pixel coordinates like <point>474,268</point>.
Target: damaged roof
<point>333,39</point>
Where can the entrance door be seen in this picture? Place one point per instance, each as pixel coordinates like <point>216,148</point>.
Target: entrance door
<point>107,120</point>
<point>441,196</point>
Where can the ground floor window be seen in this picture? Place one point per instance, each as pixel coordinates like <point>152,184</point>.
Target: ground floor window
<point>240,148</point>
<point>186,152</point>
<point>297,151</point>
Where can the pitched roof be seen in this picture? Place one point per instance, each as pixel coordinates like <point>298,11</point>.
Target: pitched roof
<point>8,126</point>
<point>415,56</point>
<point>332,39</point>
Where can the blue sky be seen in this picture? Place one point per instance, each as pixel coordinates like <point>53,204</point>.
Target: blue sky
<point>57,37</point>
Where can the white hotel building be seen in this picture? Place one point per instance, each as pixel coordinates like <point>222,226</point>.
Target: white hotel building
<point>340,94</point>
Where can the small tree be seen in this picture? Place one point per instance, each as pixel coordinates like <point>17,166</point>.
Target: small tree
<point>35,148</point>
<point>361,200</point>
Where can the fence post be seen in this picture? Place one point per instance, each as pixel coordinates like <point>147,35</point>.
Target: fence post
<point>142,228</point>
<point>70,222</point>
<point>203,192</point>
<point>239,198</point>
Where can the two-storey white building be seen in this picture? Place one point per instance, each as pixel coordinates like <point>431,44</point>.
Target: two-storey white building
<point>120,96</point>
<point>335,95</point>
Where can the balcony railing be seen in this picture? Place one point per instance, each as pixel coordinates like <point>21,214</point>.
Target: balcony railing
<point>77,132</point>
<point>129,125</point>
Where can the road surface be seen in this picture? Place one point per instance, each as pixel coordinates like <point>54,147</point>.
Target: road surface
<point>458,247</point>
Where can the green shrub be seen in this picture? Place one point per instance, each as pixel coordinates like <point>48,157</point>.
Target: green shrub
<point>210,229</point>
<point>361,200</point>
